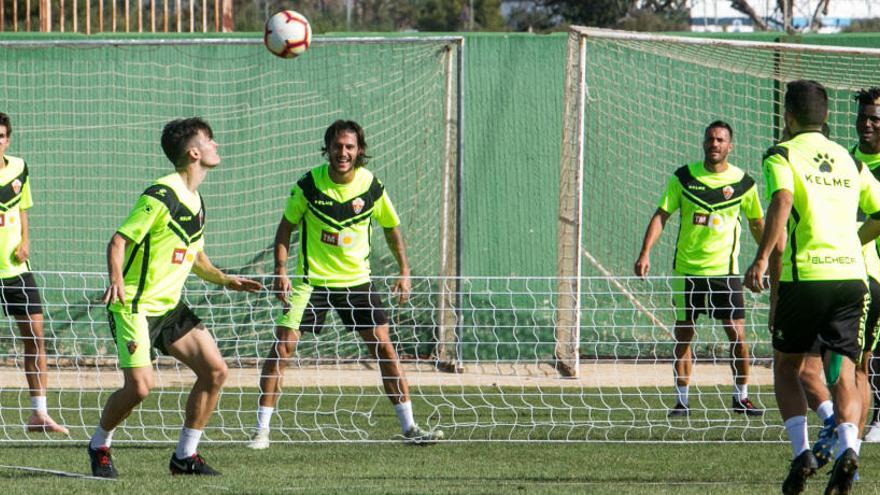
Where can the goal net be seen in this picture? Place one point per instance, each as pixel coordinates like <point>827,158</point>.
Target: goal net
<point>636,106</point>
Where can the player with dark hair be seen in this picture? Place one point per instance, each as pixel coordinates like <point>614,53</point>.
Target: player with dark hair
<point>816,188</point>
<point>868,151</point>
<point>333,206</point>
<point>149,258</point>
<point>18,289</point>
<point>711,195</point>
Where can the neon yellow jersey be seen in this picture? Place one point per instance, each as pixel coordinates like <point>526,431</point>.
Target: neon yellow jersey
<point>869,250</point>
<point>709,238</point>
<point>334,225</point>
<point>828,186</point>
<point>166,229</point>
<point>15,197</point>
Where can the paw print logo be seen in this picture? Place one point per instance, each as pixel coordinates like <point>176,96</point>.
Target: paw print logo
<point>824,161</point>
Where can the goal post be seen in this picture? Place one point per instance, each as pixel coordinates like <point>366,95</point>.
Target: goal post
<point>646,101</point>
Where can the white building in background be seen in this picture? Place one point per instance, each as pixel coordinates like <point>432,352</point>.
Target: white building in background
<point>718,16</point>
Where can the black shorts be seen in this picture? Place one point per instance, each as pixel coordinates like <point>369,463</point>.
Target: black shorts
<point>832,311</point>
<point>359,308</point>
<point>161,331</point>
<point>873,316</point>
<point>20,295</point>
<point>719,297</point>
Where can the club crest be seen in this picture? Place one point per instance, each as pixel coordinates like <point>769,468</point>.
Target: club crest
<point>16,186</point>
<point>131,346</point>
<point>727,192</point>
<point>357,205</point>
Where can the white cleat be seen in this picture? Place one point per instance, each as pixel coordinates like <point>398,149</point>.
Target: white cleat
<point>873,435</point>
<point>418,436</point>
<point>259,439</point>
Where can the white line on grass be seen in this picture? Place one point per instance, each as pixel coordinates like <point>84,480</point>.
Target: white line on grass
<point>57,473</point>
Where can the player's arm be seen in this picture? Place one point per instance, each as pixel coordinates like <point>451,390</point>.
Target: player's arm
<point>403,286</point>
<point>23,251</point>
<point>869,201</point>
<point>205,270</point>
<point>652,233</point>
<point>281,284</point>
<point>115,256</point>
<point>777,217</point>
<point>754,214</point>
<point>775,271</point>
<point>756,227</point>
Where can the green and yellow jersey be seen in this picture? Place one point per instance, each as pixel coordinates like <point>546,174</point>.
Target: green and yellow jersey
<point>15,197</point>
<point>869,250</point>
<point>334,225</point>
<point>166,228</point>
<point>828,186</point>
<point>709,237</point>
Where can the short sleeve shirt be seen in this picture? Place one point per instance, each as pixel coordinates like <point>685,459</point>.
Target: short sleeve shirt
<point>711,203</point>
<point>166,230</point>
<point>15,197</point>
<point>828,187</point>
<point>869,250</point>
<point>334,225</point>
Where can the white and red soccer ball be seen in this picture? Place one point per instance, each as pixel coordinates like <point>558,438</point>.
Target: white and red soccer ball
<point>287,34</point>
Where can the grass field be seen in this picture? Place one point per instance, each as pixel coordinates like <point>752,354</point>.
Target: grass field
<point>453,468</point>
<point>649,454</point>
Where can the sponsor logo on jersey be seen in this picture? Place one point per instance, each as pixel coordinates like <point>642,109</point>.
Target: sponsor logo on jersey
<point>701,218</point>
<point>727,192</point>
<point>178,256</point>
<point>357,205</point>
<point>331,238</point>
<point>2,219</point>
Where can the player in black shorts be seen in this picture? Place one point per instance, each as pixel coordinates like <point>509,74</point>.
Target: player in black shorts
<point>18,290</point>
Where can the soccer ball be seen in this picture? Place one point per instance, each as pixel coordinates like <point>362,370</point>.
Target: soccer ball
<point>287,34</point>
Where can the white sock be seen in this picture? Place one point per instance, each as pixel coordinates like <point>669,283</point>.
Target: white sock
<point>405,415</point>
<point>825,410</point>
<point>682,394</point>
<point>858,448</point>
<point>188,443</point>
<point>38,404</point>
<point>101,438</point>
<point>264,416</point>
<point>740,392</point>
<point>796,427</point>
<point>847,436</point>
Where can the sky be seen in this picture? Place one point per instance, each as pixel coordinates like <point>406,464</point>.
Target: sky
<point>846,9</point>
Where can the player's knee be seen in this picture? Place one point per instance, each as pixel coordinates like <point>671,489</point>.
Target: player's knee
<point>219,374</point>
<point>140,389</point>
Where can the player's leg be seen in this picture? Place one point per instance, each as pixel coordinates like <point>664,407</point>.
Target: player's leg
<point>132,335</point>
<point>797,314</point>
<point>307,310</point>
<point>360,309</point>
<point>682,366</point>
<point>727,304</point>
<point>197,350</point>
<point>689,299</point>
<point>31,329</point>
<point>739,355</point>
<point>843,339</point>
<point>22,302</point>
<point>812,377</point>
<point>864,369</point>
<point>873,433</point>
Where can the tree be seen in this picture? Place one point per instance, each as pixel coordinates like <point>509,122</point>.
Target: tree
<point>641,15</point>
<point>864,26</point>
<point>783,13</point>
